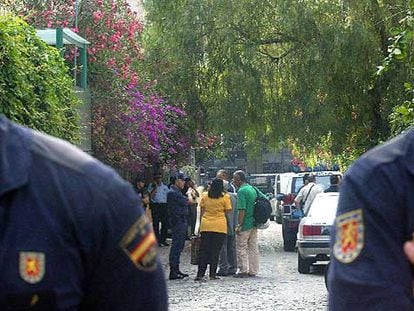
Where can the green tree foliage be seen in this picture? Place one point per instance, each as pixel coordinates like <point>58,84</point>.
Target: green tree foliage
<point>282,72</point>
<point>35,88</point>
<point>133,126</point>
<point>400,51</point>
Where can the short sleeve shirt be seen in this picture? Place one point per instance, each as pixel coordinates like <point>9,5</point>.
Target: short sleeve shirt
<point>309,193</point>
<point>214,219</point>
<point>161,194</point>
<point>246,197</point>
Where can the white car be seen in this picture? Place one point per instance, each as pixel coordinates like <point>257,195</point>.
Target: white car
<point>313,239</point>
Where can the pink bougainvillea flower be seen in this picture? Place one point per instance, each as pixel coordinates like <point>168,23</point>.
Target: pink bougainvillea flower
<point>115,37</point>
<point>134,126</point>
<point>97,16</point>
<point>111,62</point>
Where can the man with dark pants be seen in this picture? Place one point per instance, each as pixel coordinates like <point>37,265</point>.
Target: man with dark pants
<point>228,256</point>
<point>177,204</point>
<point>158,192</point>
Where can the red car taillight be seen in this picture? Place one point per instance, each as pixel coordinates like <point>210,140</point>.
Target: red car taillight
<point>288,199</point>
<point>311,230</point>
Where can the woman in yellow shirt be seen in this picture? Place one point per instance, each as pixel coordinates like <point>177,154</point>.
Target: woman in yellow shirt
<point>214,204</point>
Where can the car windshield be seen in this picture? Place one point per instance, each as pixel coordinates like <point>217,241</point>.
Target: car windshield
<point>324,206</point>
<point>263,183</point>
<point>323,181</point>
<point>298,183</point>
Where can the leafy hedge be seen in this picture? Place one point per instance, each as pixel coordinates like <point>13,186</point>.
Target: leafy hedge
<point>35,87</point>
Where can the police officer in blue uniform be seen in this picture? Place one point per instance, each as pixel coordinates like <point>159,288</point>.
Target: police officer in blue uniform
<point>72,233</point>
<point>375,217</point>
<point>177,204</point>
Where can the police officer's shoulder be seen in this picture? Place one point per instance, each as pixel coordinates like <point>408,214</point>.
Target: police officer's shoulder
<point>66,155</point>
<point>392,150</point>
<point>60,152</point>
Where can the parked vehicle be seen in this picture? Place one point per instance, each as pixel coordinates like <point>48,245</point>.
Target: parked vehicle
<point>265,183</point>
<point>313,238</point>
<point>280,186</point>
<point>290,215</point>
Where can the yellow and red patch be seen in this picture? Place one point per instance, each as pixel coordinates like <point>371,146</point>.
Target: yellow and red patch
<point>140,245</point>
<point>32,266</point>
<point>349,240</point>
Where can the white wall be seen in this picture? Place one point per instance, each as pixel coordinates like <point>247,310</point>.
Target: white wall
<point>136,5</point>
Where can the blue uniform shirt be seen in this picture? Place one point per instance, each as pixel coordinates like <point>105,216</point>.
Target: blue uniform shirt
<point>369,270</point>
<point>161,194</point>
<point>72,232</point>
<point>177,202</point>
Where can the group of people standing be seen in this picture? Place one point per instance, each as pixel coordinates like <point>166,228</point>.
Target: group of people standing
<point>228,233</point>
<point>222,218</point>
<point>170,207</point>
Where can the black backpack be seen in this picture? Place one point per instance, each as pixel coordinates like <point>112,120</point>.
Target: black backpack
<point>262,209</point>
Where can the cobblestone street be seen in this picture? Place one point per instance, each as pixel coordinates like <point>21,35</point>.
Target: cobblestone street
<point>278,287</point>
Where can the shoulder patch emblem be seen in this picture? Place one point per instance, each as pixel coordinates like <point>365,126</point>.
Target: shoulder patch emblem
<point>32,266</point>
<point>349,240</point>
<point>140,245</point>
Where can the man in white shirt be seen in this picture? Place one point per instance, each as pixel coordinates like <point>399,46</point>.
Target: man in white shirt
<point>307,194</point>
<point>158,193</point>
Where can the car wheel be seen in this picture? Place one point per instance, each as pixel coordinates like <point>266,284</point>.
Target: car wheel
<point>303,264</point>
<point>289,239</point>
<point>279,220</point>
<point>289,244</point>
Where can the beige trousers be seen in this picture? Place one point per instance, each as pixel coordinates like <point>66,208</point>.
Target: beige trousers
<point>247,251</point>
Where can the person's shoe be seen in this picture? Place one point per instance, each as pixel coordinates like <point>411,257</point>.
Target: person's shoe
<point>241,275</point>
<point>183,274</point>
<point>199,279</point>
<point>179,272</point>
<point>160,244</point>
<point>165,243</point>
<point>175,273</point>
<point>252,275</point>
<point>175,276</point>
<point>222,273</point>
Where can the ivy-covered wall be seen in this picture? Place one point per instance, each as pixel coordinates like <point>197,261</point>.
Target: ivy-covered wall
<point>35,87</point>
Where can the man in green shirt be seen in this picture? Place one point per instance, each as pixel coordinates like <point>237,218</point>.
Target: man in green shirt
<point>246,239</point>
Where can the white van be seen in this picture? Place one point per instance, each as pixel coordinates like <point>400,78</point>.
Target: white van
<point>282,182</point>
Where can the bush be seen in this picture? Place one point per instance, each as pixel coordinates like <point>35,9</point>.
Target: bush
<point>35,87</point>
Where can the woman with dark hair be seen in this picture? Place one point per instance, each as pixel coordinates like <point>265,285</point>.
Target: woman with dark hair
<point>214,204</point>
<point>139,186</point>
<point>141,189</point>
